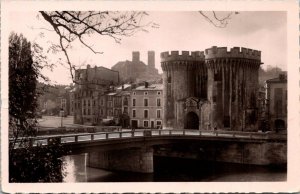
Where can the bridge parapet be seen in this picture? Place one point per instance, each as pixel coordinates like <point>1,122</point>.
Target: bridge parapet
<point>107,136</point>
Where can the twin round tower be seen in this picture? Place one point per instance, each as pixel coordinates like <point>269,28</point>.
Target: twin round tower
<point>214,89</point>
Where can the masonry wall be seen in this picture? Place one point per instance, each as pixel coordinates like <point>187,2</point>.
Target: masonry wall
<point>267,153</point>
<point>133,160</point>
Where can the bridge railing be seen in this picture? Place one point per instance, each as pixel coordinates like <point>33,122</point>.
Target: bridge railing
<point>98,136</point>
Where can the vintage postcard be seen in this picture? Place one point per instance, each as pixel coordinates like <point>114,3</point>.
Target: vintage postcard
<point>150,96</point>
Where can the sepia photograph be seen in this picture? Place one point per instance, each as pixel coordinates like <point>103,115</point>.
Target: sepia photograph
<point>135,95</point>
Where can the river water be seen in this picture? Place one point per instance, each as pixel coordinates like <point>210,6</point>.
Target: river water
<point>172,170</point>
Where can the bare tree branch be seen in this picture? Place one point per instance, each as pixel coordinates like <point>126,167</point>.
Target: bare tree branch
<point>76,25</point>
<point>217,21</point>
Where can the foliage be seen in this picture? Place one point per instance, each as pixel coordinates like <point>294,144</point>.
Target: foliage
<point>27,164</point>
<point>38,164</point>
<point>270,73</point>
<point>23,74</point>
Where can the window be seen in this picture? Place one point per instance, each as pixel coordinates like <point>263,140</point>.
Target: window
<point>169,79</point>
<point>146,123</point>
<point>133,113</point>
<point>214,98</point>
<point>133,102</point>
<point>84,113</point>
<point>125,110</point>
<point>145,113</point>
<point>145,93</point>
<point>158,123</point>
<point>88,111</point>
<point>125,103</point>
<point>101,102</point>
<point>88,102</point>
<point>158,93</point>
<point>278,102</point>
<point>101,111</point>
<point>83,102</point>
<point>134,93</point>
<point>145,102</point>
<point>110,104</point>
<point>158,102</point>
<point>158,113</point>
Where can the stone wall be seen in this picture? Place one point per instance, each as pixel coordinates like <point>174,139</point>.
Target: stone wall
<point>133,160</point>
<point>267,153</point>
<point>227,79</point>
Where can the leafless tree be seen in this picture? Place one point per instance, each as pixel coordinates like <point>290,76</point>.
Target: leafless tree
<point>216,19</point>
<point>71,26</point>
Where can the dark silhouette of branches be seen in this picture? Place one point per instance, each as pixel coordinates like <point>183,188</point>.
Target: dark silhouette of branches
<point>73,26</point>
<point>218,21</point>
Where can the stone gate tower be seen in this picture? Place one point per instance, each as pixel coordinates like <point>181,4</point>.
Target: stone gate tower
<point>214,89</point>
<point>179,83</point>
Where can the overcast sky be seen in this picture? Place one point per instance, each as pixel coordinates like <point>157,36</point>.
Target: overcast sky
<point>265,31</point>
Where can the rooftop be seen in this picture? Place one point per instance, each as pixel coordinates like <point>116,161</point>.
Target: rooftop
<point>150,87</point>
<point>282,78</point>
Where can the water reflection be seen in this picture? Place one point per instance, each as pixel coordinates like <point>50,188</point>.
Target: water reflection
<point>172,170</point>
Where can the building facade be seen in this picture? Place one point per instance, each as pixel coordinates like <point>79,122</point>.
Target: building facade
<point>90,85</point>
<point>212,89</point>
<point>146,106</point>
<point>276,101</point>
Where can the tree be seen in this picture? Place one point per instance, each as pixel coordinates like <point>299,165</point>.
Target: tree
<point>78,26</point>
<point>219,21</point>
<point>23,74</point>
<point>72,26</point>
<point>27,164</point>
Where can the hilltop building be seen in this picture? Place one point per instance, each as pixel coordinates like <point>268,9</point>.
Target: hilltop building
<point>215,89</point>
<point>54,99</point>
<point>276,98</point>
<point>136,70</point>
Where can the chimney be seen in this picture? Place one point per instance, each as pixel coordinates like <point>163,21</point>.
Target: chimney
<point>88,66</point>
<point>135,56</point>
<point>146,84</point>
<point>282,77</point>
<point>151,59</point>
<point>122,86</point>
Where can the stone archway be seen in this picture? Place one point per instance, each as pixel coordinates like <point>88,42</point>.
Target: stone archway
<point>191,121</point>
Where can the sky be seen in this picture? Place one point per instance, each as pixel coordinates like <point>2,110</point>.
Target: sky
<point>182,31</point>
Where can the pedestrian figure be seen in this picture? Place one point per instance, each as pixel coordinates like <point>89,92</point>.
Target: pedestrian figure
<point>208,126</point>
<point>215,128</point>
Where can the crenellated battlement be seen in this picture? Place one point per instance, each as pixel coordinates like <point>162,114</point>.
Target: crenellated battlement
<point>184,56</point>
<point>235,52</point>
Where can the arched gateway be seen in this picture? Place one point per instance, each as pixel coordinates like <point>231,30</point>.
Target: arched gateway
<point>191,121</point>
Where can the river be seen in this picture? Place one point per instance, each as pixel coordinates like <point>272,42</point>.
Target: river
<point>173,170</point>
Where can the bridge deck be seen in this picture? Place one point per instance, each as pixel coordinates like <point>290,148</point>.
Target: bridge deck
<point>128,134</point>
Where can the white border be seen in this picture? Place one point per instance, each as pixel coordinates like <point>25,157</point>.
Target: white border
<point>292,183</point>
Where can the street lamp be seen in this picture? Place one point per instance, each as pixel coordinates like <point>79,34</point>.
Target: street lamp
<point>61,112</point>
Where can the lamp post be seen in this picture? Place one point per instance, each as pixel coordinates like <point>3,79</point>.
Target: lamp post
<point>61,112</point>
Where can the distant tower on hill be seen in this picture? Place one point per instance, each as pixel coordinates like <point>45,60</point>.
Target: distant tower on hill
<point>135,56</point>
<point>151,59</point>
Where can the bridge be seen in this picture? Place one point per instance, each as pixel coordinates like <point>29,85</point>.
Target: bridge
<point>134,150</point>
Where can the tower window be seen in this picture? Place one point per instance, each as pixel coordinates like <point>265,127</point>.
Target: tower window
<point>169,79</point>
